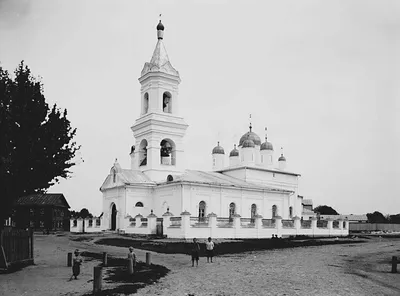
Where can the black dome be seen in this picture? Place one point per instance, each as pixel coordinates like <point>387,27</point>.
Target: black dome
<point>160,26</point>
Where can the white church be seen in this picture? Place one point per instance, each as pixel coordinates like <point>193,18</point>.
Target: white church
<point>251,195</point>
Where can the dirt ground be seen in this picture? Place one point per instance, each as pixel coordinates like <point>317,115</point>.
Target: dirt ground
<point>349,269</point>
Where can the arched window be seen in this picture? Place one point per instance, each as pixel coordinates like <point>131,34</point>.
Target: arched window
<point>253,212</point>
<point>114,176</point>
<point>167,152</point>
<point>274,211</point>
<point>139,204</point>
<point>143,153</point>
<point>167,102</point>
<point>202,210</point>
<point>232,211</point>
<point>291,212</point>
<point>145,103</point>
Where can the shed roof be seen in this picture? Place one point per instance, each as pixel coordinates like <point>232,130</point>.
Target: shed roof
<point>54,199</point>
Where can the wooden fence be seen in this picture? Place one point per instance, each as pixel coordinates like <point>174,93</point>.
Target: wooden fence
<point>16,246</point>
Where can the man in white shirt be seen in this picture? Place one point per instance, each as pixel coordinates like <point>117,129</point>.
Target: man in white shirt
<point>209,249</point>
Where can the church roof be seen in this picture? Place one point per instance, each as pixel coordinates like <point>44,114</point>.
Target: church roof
<point>307,202</point>
<point>218,179</point>
<point>125,177</point>
<point>257,167</point>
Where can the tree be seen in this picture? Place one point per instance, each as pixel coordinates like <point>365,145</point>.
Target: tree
<point>36,142</point>
<point>84,213</point>
<point>325,210</point>
<point>376,217</point>
<point>395,219</point>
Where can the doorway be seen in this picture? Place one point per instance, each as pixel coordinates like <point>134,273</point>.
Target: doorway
<point>113,217</point>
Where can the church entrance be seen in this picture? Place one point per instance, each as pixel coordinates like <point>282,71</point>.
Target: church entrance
<point>113,217</point>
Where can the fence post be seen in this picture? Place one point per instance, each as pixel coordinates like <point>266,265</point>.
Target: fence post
<point>314,225</point>
<point>152,223</point>
<point>278,225</point>
<point>105,263</point>
<point>97,279</point>
<point>297,224</point>
<point>69,259</point>
<point>185,223</point>
<point>148,258</point>
<point>31,238</point>
<point>212,223</point>
<point>394,264</point>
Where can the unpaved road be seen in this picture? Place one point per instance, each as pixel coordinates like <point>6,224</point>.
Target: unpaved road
<point>349,269</point>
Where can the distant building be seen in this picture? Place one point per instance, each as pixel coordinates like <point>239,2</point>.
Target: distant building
<point>42,211</point>
<point>308,211</point>
<point>351,218</point>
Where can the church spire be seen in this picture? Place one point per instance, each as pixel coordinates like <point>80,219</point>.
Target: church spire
<point>160,61</point>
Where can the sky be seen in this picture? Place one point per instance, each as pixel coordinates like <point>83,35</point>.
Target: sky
<point>322,76</point>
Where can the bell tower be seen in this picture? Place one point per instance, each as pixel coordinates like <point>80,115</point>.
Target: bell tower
<point>159,130</point>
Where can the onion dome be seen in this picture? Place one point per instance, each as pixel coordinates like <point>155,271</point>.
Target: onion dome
<point>266,146</point>
<point>160,26</point>
<point>234,152</point>
<point>282,158</point>
<point>248,144</point>
<point>218,150</point>
<point>250,136</point>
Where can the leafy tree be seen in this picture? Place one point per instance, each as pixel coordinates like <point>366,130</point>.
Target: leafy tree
<point>36,142</point>
<point>395,219</point>
<point>376,217</point>
<point>83,213</point>
<point>325,210</point>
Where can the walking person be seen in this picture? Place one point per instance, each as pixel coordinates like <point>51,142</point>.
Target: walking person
<point>132,257</point>
<point>76,264</point>
<point>195,252</point>
<point>209,249</point>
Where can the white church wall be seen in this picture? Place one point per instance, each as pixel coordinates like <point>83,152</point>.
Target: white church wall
<point>167,196</point>
<point>136,195</point>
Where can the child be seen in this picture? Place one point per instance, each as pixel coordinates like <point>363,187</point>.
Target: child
<point>76,264</point>
<point>195,252</point>
<point>209,249</point>
<point>132,256</point>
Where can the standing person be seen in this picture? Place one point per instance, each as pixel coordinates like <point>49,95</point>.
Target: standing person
<point>209,249</point>
<point>76,264</point>
<point>195,252</point>
<point>132,257</point>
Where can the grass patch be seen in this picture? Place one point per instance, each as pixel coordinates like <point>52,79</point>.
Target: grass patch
<point>116,272</point>
<point>223,247</point>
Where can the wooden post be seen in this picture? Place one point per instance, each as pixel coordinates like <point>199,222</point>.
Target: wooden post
<point>148,258</point>
<point>97,279</point>
<point>31,238</point>
<point>105,259</point>
<point>69,260</point>
<point>130,266</point>
<point>394,264</point>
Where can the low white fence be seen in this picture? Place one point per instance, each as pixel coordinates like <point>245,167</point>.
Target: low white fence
<point>86,225</point>
<point>185,226</point>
